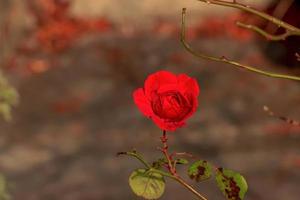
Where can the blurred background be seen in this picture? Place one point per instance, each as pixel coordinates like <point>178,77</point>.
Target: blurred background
<point>75,64</point>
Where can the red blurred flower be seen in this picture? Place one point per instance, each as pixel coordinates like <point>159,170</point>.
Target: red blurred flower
<point>168,99</point>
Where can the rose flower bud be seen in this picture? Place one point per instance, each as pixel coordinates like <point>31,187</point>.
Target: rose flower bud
<point>168,99</point>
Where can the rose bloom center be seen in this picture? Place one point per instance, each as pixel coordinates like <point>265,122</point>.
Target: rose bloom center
<point>171,106</point>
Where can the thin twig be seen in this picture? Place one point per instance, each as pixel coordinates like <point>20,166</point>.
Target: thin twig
<point>280,10</point>
<point>267,35</point>
<point>290,29</point>
<point>225,60</point>
<point>285,119</point>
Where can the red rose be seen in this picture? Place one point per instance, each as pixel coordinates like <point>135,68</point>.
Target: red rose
<point>168,99</point>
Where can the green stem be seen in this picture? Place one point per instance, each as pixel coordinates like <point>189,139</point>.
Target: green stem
<point>181,181</point>
<point>164,150</point>
<point>190,188</point>
<point>137,156</point>
<point>162,173</point>
<point>173,174</point>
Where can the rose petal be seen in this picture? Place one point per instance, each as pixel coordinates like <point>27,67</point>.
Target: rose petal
<point>168,126</point>
<point>169,87</point>
<point>188,85</point>
<point>142,102</point>
<point>154,81</point>
<point>194,101</point>
<point>163,83</point>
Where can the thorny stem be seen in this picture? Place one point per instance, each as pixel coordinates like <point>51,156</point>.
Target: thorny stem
<point>173,175</point>
<point>172,168</point>
<point>224,59</point>
<point>290,30</point>
<point>164,150</point>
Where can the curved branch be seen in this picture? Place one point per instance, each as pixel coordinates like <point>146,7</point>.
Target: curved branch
<point>225,60</point>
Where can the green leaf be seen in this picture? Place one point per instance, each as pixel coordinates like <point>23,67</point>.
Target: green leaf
<point>232,184</point>
<point>200,170</point>
<point>149,185</point>
<point>182,161</point>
